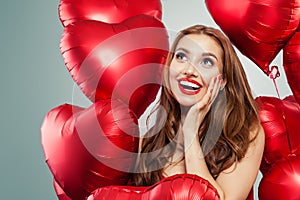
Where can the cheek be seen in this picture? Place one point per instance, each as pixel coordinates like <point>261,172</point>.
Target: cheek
<point>174,66</point>
<point>207,75</point>
<point>174,69</point>
<point>173,73</point>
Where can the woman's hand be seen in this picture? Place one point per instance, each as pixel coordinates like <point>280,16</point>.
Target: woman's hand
<point>194,158</point>
<point>197,112</point>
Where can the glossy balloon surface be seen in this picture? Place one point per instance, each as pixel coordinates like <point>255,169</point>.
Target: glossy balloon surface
<point>291,63</point>
<point>109,11</point>
<point>280,120</point>
<point>119,61</point>
<point>259,29</point>
<point>90,148</point>
<point>180,186</point>
<point>282,181</point>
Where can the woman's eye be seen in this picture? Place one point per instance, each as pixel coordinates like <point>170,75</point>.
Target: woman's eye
<point>207,62</point>
<point>181,57</point>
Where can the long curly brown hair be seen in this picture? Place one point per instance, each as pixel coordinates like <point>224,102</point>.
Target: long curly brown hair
<point>225,132</point>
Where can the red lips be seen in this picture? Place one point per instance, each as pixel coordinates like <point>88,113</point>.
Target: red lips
<point>189,86</point>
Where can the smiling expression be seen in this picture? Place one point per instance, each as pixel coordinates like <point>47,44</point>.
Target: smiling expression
<point>197,59</point>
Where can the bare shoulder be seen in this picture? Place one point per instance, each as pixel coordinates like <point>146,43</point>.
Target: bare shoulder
<point>237,180</point>
<point>258,137</point>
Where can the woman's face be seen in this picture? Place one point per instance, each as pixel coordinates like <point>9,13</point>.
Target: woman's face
<point>197,60</point>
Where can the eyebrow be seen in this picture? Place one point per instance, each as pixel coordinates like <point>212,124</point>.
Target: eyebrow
<point>210,54</point>
<point>183,49</point>
<point>203,54</point>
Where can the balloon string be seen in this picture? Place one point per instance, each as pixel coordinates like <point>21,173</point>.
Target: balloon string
<point>273,74</point>
<point>276,88</point>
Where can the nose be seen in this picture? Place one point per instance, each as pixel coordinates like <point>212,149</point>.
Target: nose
<point>190,70</point>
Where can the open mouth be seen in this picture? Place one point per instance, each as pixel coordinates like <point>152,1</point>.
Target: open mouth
<point>189,86</point>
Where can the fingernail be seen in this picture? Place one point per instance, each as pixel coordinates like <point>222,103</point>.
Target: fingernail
<point>220,77</point>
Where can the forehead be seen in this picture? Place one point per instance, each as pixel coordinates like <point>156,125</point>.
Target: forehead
<point>199,43</point>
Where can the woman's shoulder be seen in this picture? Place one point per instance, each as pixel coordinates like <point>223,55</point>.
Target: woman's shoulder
<point>257,135</point>
<point>238,179</point>
<point>257,143</point>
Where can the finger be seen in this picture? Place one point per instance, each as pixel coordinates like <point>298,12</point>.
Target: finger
<point>216,87</point>
<point>206,98</point>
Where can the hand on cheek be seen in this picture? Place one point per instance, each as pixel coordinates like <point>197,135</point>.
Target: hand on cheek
<point>215,85</point>
<point>198,111</point>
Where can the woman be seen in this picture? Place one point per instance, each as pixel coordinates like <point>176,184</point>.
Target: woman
<point>209,124</point>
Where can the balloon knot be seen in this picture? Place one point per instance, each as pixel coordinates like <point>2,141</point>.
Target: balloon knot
<point>274,72</point>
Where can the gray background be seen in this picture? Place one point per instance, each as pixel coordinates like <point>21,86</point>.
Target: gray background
<point>34,80</point>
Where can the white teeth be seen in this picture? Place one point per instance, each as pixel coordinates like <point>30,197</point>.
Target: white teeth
<point>189,84</point>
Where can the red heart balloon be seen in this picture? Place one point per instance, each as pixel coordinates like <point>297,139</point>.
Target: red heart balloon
<point>280,120</point>
<point>282,181</point>
<point>117,60</point>
<point>259,29</point>
<point>90,148</point>
<point>291,63</point>
<point>109,11</point>
<point>180,186</point>
<point>61,195</point>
